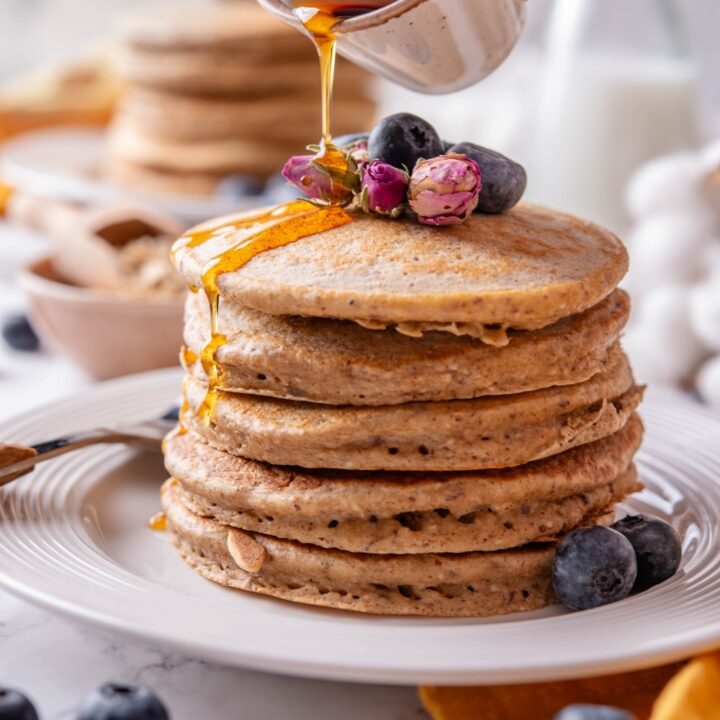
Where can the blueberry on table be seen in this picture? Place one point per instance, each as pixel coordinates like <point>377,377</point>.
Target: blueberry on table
<point>503,180</point>
<point>120,701</point>
<point>403,139</point>
<point>15,706</point>
<point>593,712</point>
<point>657,546</point>
<point>19,334</point>
<point>593,566</point>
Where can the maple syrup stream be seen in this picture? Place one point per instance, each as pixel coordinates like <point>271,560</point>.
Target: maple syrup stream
<point>272,228</point>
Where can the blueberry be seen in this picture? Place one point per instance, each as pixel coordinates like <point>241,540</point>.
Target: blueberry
<point>15,706</point>
<point>18,333</point>
<point>118,701</point>
<point>172,414</point>
<point>657,546</point>
<point>447,144</point>
<point>593,566</point>
<point>350,139</point>
<point>239,186</point>
<point>403,139</point>
<point>503,180</point>
<point>593,712</point>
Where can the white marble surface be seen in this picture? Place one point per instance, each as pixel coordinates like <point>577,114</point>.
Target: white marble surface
<point>57,661</point>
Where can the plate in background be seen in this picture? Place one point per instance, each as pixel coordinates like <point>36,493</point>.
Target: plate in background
<point>66,164</point>
<point>75,540</point>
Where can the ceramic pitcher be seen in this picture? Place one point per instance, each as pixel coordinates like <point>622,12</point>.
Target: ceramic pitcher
<point>431,46</point>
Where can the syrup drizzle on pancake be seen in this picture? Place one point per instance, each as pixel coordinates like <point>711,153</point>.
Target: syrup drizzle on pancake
<point>273,228</point>
<point>189,358</point>
<point>288,223</point>
<point>158,522</point>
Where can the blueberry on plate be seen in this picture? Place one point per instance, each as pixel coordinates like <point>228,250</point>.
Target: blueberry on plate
<point>593,712</point>
<point>15,706</point>
<point>120,701</point>
<point>503,180</point>
<point>403,139</point>
<point>19,334</point>
<point>657,546</point>
<point>593,566</point>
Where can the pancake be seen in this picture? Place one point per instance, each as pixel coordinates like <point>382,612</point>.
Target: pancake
<point>222,72</point>
<point>242,27</point>
<point>146,178</point>
<point>235,155</point>
<point>339,362</point>
<point>227,48</point>
<point>471,584</point>
<point>489,432</point>
<point>525,268</point>
<point>493,532</point>
<point>404,512</point>
<point>285,118</point>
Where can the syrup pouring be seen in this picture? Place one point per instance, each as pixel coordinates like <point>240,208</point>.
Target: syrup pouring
<point>284,224</point>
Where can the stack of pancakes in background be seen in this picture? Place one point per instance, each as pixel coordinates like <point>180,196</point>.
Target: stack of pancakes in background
<point>410,417</point>
<point>222,90</point>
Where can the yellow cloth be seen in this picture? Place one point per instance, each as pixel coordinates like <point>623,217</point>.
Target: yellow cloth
<point>682,691</point>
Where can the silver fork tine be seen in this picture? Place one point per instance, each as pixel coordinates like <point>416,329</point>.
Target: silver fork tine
<point>17,460</point>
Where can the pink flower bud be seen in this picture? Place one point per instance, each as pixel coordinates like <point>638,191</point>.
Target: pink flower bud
<point>444,190</point>
<point>384,188</point>
<point>359,152</point>
<point>301,171</point>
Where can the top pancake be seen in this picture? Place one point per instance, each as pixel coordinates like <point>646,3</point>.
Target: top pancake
<point>524,269</point>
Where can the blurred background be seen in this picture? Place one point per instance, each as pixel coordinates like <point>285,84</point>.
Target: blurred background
<point>115,134</point>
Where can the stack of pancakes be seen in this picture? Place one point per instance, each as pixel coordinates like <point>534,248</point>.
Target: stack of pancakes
<point>220,89</point>
<point>410,417</point>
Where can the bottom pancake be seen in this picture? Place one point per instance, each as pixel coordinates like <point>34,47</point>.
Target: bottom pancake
<point>465,585</point>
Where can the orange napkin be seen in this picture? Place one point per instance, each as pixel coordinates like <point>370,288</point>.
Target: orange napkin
<point>681,691</point>
<point>5,193</point>
<point>693,694</point>
<point>83,93</point>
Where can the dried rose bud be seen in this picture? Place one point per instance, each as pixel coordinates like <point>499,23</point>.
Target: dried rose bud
<point>383,188</point>
<point>444,190</point>
<point>358,151</point>
<point>316,183</point>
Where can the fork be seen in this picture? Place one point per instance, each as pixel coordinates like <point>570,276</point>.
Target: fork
<point>17,460</point>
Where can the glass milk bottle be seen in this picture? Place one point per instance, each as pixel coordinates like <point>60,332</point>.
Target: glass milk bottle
<point>618,87</point>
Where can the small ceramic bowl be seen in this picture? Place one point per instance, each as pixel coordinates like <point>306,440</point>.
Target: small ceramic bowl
<point>105,335</point>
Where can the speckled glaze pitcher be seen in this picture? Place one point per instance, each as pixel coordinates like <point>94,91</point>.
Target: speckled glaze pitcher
<point>431,46</point>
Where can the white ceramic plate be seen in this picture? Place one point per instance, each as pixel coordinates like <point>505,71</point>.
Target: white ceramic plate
<point>66,163</point>
<point>74,539</point>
